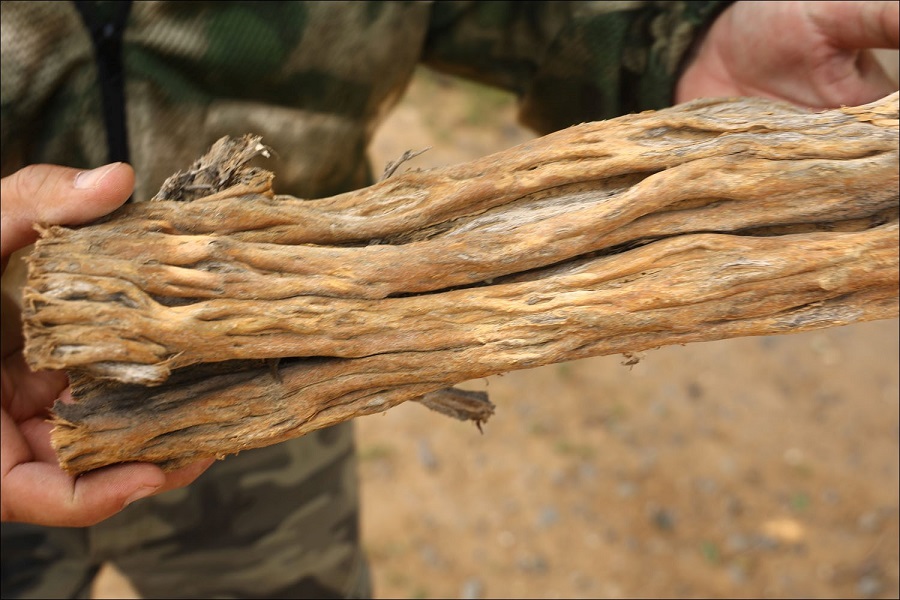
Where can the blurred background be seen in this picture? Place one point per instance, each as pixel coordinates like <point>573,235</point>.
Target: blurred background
<point>754,467</point>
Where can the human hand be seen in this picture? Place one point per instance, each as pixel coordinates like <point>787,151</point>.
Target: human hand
<point>34,488</point>
<point>814,54</point>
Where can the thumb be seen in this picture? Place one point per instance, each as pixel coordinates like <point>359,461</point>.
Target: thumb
<point>42,493</point>
<point>56,195</point>
<point>852,29</point>
<point>858,25</point>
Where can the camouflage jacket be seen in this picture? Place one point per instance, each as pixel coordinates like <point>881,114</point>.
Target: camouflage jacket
<point>316,79</point>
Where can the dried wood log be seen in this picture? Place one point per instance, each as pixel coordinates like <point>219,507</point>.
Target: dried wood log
<point>710,220</point>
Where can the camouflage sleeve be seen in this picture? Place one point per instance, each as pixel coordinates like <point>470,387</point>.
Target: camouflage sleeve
<point>569,62</point>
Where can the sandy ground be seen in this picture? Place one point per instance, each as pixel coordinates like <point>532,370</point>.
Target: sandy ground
<point>755,467</point>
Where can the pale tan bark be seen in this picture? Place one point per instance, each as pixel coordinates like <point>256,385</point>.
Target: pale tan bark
<point>709,220</point>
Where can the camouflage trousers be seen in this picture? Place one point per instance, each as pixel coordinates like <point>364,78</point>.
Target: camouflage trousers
<point>277,522</point>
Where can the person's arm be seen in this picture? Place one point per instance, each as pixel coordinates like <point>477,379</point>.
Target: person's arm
<point>33,488</point>
<point>814,54</point>
<point>569,62</point>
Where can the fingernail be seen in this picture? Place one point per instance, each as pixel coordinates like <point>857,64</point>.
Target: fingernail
<point>141,492</point>
<point>91,179</point>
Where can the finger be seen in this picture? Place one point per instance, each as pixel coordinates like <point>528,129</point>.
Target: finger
<point>185,475</point>
<point>11,336</point>
<point>15,448</point>
<point>36,432</point>
<point>29,393</point>
<point>35,490</point>
<point>42,493</point>
<point>857,25</point>
<point>57,195</point>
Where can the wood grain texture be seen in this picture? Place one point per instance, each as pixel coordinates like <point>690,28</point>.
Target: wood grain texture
<point>713,219</point>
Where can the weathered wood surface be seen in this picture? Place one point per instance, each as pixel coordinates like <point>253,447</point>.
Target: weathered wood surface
<point>710,220</point>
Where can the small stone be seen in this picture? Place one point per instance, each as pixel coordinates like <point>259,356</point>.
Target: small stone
<point>869,586</point>
<point>706,485</point>
<point>535,564</point>
<point>694,390</point>
<point>626,489</point>
<point>581,581</point>
<point>427,456</point>
<point>472,589</point>
<point>737,573</point>
<point>765,542</point>
<point>663,519</point>
<point>737,543</point>
<point>558,477</point>
<point>587,472</point>
<point>869,522</point>
<point>430,556</point>
<point>831,496</point>
<point>734,507</point>
<point>548,516</point>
